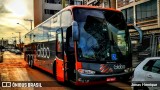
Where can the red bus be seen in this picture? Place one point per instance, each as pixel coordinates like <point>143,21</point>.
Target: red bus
<point>81,44</point>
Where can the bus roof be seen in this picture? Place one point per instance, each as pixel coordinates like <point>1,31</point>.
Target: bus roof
<point>78,6</point>
<point>90,7</point>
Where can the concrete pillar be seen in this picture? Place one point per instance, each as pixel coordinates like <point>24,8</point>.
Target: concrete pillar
<point>113,4</point>
<point>116,4</point>
<point>158,12</point>
<point>38,11</point>
<point>134,15</point>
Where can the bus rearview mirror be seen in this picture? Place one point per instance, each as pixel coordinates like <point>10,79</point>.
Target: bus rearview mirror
<point>138,30</point>
<point>75,31</point>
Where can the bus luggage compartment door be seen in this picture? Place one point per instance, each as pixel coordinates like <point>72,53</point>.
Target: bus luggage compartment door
<point>60,70</point>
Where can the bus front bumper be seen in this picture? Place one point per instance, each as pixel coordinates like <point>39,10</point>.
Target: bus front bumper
<point>84,79</point>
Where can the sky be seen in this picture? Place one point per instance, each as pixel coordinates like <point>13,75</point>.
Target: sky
<point>13,12</point>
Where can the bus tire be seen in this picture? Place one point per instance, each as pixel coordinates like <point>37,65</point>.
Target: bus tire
<point>25,58</point>
<point>28,60</point>
<point>32,62</point>
<point>54,70</point>
<point>125,78</point>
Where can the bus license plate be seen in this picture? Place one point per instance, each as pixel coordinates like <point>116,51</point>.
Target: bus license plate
<point>111,79</point>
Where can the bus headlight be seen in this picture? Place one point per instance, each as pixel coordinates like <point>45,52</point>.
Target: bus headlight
<point>128,70</point>
<point>83,71</point>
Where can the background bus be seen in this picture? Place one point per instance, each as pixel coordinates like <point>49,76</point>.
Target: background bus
<point>82,44</point>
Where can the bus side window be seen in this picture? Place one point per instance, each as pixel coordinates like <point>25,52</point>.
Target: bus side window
<point>66,19</point>
<point>71,43</point>
<point>59,45</point>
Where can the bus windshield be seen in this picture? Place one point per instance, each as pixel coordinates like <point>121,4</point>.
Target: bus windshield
<point>100,38</point>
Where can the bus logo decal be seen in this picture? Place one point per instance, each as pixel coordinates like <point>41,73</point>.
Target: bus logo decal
<point>105,69</point>
<point>43,51</point>
<point>48,53</point>
<point>119,66</point>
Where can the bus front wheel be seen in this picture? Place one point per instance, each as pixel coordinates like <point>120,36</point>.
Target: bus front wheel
<point>28,60</point>
<point>32,62</point>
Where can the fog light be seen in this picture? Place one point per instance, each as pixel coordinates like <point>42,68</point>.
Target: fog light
<point>83,71</point>
<point>128,70</point>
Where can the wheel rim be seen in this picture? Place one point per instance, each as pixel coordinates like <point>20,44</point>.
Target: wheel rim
<point>29,61</point>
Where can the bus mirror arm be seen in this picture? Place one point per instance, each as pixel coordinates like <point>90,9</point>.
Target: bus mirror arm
<point>139,31</point>
<point>75,31</point>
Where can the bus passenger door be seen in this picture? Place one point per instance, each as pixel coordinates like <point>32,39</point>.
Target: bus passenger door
<point>59,56</point>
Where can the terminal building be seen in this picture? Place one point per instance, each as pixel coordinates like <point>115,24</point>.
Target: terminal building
<point>142,13</point>
<point>102,3</point>
<point>4,42</point>
<point>43,9</point>
<point>146,15</point>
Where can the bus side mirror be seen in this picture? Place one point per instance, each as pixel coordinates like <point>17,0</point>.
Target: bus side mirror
<point>139,31</point>
<point>75,31</point>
